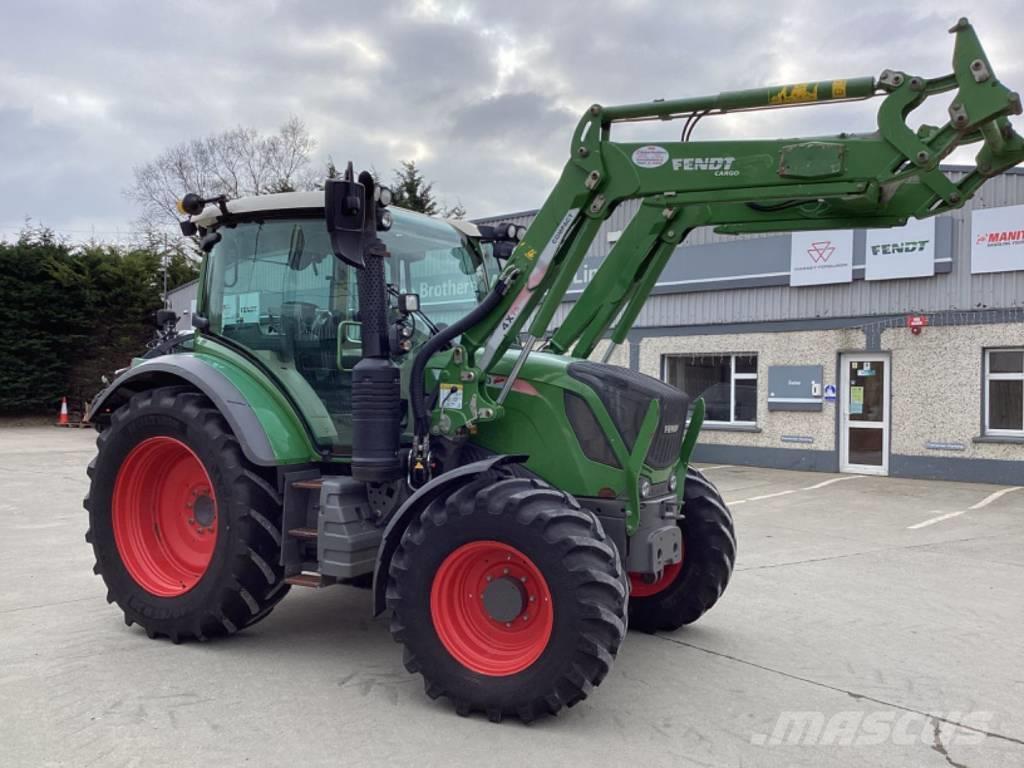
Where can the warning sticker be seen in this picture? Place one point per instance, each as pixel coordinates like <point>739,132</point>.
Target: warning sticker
<point>451,396</point>
<point>651,156</point>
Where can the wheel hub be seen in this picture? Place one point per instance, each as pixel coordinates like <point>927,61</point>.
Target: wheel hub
<point>504,599</point>
<point>204,511</point>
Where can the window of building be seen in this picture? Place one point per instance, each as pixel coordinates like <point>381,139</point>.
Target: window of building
<point>728,384</point>
<point>1004,392</point>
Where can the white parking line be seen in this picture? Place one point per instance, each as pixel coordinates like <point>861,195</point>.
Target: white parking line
<point>829,482</point>
<point>993,496</point>
<point>949,515</point>
<point>933,520</point>
<point>770,495</point>
<point>814,487</point>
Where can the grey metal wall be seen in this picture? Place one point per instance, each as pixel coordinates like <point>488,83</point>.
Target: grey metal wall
<point>180,300</point>
<point>957,290</point>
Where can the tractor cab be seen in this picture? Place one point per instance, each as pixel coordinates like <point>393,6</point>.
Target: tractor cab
<point>273,287</point>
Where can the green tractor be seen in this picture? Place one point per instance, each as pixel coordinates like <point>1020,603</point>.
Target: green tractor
<point>377,398</point>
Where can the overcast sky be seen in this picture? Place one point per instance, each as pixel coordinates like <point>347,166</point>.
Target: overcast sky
<point>483,96</point>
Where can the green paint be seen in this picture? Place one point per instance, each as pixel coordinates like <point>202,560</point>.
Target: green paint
<point>283,426</point>
<point>689,443</point>
<point>537,425</point>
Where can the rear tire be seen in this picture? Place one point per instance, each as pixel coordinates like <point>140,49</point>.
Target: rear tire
<point>709,552</point>
<point>185,530</point>
<point>560,634</point>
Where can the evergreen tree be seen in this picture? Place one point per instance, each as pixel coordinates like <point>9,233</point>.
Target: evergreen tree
<point>411,191</point>
<point>69,315</point>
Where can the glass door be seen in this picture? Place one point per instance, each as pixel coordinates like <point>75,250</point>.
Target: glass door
<point>864,419</point>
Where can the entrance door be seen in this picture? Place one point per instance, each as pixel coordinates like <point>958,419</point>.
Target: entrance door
<point>864,420</point>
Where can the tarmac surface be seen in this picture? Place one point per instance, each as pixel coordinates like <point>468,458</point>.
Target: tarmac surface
<point>870,622</point>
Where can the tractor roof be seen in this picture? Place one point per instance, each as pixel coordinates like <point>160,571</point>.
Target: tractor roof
<point>303,201</point>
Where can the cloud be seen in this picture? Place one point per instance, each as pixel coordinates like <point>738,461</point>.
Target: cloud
<point>483,95</point>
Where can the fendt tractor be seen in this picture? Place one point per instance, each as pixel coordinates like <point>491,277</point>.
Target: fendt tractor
<point>378,398</point>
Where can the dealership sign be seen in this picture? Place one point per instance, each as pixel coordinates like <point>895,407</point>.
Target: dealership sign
<point>900,252</point>
<point>997,239</point>
<point>819,258</point>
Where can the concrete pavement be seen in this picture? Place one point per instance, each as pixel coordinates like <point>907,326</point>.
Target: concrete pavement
<point>848,637</point>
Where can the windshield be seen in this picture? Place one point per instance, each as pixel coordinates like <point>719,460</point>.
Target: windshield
<point>275,287</point>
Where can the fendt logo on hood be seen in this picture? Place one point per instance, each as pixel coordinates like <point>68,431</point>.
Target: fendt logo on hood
<point>1004,237</point>
<point>720,166</point>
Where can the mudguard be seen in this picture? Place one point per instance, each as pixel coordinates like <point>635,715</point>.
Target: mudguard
<point>283,447</point>
<point>440,485</point>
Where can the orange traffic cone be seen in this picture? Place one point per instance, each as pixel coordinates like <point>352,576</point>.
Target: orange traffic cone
<point>62,420</point>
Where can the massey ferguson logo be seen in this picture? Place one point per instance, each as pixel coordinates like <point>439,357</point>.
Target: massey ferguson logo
<point>1006,237</point>
<point>908,246</point>
<point>821,251</point>
<point>720,166</point>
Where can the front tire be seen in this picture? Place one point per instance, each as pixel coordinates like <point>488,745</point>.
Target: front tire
<point>186,531</point>
<point>686,592</point>
<point>508,598</point>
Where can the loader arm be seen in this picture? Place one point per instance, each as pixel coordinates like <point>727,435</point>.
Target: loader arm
<point>878,179</point>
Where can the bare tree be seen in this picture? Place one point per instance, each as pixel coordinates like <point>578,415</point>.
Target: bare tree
<point>236,163</point>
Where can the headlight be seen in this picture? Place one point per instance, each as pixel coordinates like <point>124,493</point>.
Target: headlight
<point>645,487</point>
<point>672,483</point>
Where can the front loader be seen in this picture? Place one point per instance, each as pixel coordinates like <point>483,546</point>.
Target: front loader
<point>377,398</point>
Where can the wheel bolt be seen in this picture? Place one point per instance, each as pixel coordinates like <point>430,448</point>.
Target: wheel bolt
<point>507,624</point>
<point>505,572</point>
<point>489,578</point>
<point>533,599</point>
<point>526,616</point>
<point>522,579</point>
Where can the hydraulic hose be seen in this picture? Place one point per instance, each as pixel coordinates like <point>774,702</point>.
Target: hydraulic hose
<point>417,388</point>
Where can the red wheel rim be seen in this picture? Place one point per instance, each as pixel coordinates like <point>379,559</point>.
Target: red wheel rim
<point>640,588</point>
<point>470,632</point>
<point>164,514</point>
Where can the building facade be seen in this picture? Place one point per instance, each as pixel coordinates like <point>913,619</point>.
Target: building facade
<point>894,352</point>
<point>183,301</point>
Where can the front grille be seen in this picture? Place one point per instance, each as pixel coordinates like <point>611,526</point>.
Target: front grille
<point>589,433</point>
<point>627,396</point>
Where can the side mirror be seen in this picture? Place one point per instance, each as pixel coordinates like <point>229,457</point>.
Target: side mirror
<point>165,317</point>
<point>355,210</point>
<point>345,212</point>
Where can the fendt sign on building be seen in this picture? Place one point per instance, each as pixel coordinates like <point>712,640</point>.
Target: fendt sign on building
<point>907,251</point>
<point>997,239</point>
